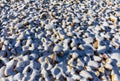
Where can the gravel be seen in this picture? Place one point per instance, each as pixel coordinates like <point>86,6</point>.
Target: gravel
<point>59,40</point>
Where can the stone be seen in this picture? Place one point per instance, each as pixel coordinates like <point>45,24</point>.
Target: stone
<point>93,64</point>
<point>76,20</point>
<point>57,48</point>
<point>108,66</point>
<point>18,76</point>
<point>97,58</point>
<point>9,68</point>
<point>116,56</point>
<point>86,74</point>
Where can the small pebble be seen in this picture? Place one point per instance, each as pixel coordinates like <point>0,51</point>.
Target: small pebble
<point>93,64</point>
<point>86,74</point>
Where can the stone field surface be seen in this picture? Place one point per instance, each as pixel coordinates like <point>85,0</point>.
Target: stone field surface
<point>59,40</point>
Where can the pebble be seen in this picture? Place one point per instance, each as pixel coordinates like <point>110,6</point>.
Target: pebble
<point>93,64</point>
<point>18,76</point>
<point>101,49</point>
<point>95,45</point>
<point>21,36</point>
<point>26,1</point>
<point>29,41</point>
<point>65,45</point>
<point>114,76</point>
<point>74,43</point>
<point>88,40</point>
<point>9,68</point>
<point>57,48</point>
<point>27,70</point>
<point>88,68</point>
<point>17,43</point>
<point>97,58</point>
<point>113,18</point>
<point>116,56</point>
<point>19,25</point>
<point>86,74</point>
<point>108,66</point>
<point>75,55</point>
<point>76,20</point>
<point>49,26</point>
<point>21,64</point>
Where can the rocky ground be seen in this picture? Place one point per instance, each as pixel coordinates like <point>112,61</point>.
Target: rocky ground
<point>59,40</point>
